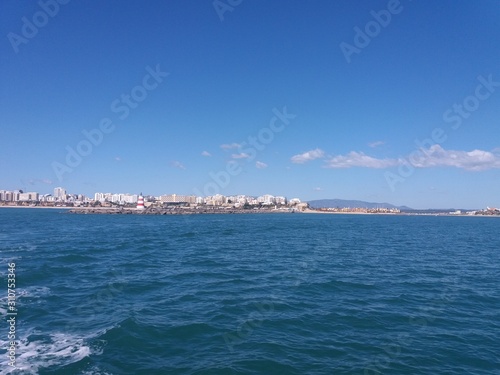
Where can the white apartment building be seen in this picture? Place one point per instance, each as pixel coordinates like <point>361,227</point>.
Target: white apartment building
<point>46,198</point>
<point>280,200</point>
<point>266,199</point>
<point>130,198</point>
<point>25,197</point>
<point>215,200</point>
<point>118,198</point>
<point>103,197</point>
<point>174,198</point>
<point>59,194</point>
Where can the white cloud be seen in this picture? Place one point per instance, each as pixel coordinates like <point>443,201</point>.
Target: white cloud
<point>317,189</point>
<point>230,146</point>
<point>241,155</point>
<point>359,159</point>
<point>308,156</point>
<point>260,165</point>
<point>117,158</point>
<point>435,156</point>
<point>376,144</point>
<point>206,153</point>
<point>34,181</point>
<point>177,164</point>
<point>475,160</point>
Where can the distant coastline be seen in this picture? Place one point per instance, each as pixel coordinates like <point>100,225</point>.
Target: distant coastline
<point>37,207</point>
<point>174,211</point>
<point>195,211</point>
<point>225,211</point>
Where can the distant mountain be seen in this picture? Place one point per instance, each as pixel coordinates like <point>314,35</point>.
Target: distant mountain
<point>333,203</point>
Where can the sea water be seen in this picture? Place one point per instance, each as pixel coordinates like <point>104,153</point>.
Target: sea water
<point>251,294</point>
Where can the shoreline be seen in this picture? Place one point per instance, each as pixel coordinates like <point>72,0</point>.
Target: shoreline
<point>393,214</point>
<point>52,208</point>
<point>191,211</point>
<point>166,211</point>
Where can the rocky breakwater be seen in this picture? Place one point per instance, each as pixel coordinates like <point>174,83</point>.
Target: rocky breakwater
<point>169,211</point>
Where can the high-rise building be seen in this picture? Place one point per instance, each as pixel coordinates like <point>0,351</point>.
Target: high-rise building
<point>32,196</point>
<point>60,194</point>
<point>174,198</point>
<point>281,200</point>
<point>117,198</point>
<point>9,196</point>
<point>266,199</point>
<point>15,195</point>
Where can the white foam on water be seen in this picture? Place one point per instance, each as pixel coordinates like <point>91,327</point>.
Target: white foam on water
<point>3,306</point>
<point>56,349</point>
<point>34,291</point>
<point>95,371</point>
<point>21,293</point>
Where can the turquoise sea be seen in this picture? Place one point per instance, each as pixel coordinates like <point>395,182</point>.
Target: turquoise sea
<point>251,294</point>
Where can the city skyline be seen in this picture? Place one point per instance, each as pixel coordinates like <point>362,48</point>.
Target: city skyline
<point>60,195</point>
<point>386,101</point>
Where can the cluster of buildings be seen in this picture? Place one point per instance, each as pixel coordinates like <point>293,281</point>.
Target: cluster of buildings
<point>120,199</point>
<point>193,200</point>
<point>61,198</point>
<point>221,200</point>
<point>489,211</point>
<point>18,195</point>
<point>378,210</point>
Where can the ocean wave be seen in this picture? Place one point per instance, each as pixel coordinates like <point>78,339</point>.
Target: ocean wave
<point>36,352</point>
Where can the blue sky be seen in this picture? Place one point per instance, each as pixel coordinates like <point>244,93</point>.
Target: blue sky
<point>207,77</point>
